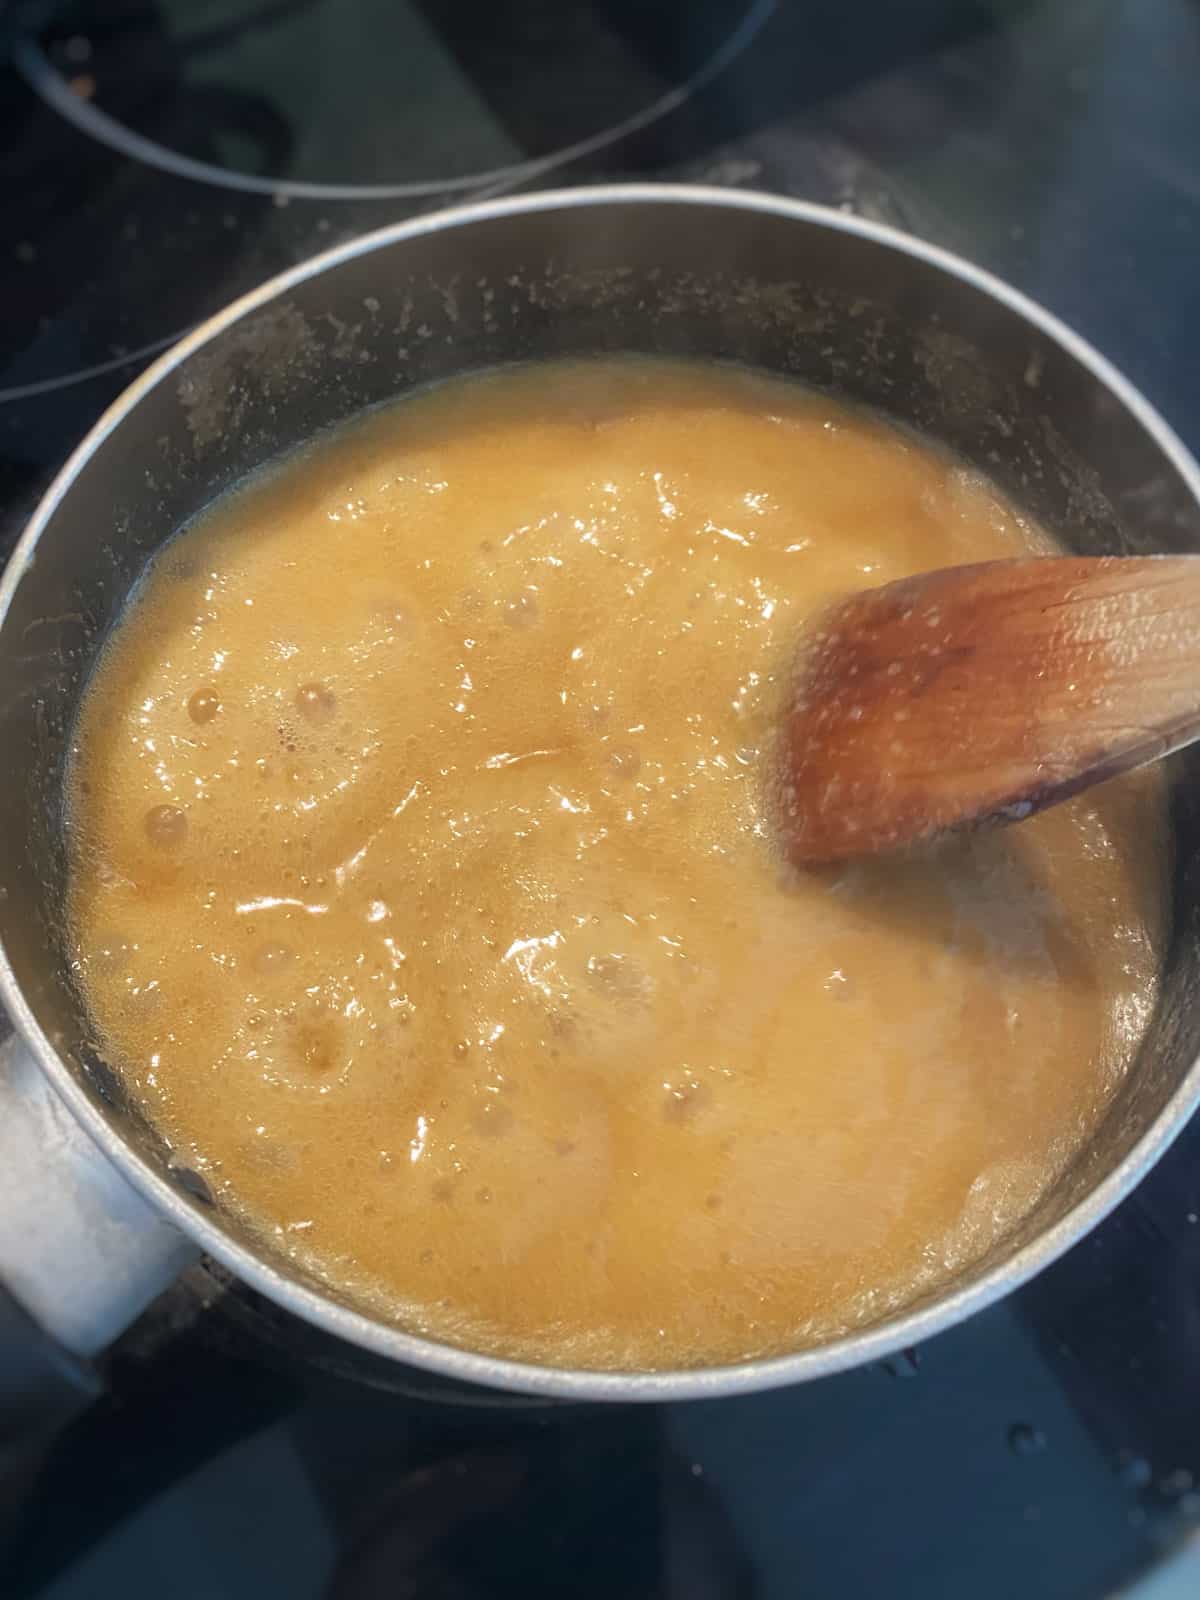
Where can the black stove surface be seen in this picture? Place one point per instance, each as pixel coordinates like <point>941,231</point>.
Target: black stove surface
<point>160,156</point>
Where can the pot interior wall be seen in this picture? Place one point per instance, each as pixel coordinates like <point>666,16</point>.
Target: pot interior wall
<point>844,312</point>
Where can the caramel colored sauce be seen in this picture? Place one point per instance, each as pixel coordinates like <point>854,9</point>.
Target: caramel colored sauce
<point>423,886</point>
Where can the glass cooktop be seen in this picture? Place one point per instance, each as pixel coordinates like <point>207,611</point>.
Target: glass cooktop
<point>160,156</point>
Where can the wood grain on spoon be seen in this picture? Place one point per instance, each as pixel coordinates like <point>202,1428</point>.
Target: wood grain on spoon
<point>983,693</point>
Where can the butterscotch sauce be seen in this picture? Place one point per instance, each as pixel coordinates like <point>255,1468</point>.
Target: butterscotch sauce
<point>424,892</point>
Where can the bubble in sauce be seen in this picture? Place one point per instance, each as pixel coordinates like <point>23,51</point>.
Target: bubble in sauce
<point>619,976</point>
<point>625,760</point>
<point>685,1100</point>
<point>272,957</point>
<point>204,705</point>
<point>521,611</point>
<point>166,827</point>
<point>110,952</point>
<point>316,702</point>
<point>317,1047</point>
<point>493,1119</point>
<point>394,619</point>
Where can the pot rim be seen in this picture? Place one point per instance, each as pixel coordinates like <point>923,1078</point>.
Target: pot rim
<point>850,1350</point>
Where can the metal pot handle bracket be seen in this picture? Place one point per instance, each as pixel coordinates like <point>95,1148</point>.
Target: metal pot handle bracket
<point>81,1254</point>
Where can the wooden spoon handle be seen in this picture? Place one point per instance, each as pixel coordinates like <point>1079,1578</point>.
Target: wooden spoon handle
<point>987,692</point>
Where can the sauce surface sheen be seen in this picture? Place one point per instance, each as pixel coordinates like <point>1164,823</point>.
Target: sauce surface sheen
<point>422,890</point>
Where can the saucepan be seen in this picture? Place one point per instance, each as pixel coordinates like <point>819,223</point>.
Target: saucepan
<point>96,1215</point>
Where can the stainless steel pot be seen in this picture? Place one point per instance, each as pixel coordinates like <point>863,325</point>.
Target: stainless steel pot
<point>94,1216</point>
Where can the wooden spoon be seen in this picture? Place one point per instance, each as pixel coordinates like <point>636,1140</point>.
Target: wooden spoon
<point>984,693</point>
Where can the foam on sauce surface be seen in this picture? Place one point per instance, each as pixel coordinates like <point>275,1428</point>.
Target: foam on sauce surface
<point>422,891</point>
